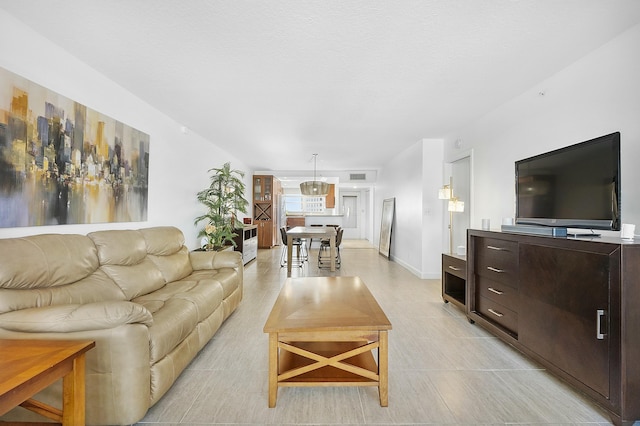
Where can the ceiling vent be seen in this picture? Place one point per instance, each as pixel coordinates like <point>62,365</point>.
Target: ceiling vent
<point>357,176</point>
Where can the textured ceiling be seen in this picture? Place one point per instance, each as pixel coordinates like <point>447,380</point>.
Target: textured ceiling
<point>355,81</point>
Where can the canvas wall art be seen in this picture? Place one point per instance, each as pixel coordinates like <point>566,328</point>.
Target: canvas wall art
<point>63,163</point>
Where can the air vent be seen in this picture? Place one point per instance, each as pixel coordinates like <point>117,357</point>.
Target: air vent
<point>357,176</point>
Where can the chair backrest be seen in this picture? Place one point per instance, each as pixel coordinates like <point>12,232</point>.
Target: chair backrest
<point>283,235</point>
<point>339,237</point>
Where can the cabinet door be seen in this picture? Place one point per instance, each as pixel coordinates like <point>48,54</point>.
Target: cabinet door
<point>561,293</point>
<point>330,202</point>
<point>265,234</point>
<point>258,188</point>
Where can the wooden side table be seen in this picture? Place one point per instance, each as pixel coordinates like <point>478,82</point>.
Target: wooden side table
<point>28,366</point>
<point>454,279</point>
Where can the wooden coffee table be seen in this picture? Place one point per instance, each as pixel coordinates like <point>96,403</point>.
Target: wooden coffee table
<point>28,366</point>
<point>322,331</point>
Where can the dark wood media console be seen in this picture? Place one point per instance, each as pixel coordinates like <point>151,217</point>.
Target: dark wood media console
<point>571,304</point>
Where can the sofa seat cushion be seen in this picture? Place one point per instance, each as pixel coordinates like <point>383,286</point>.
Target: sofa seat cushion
<point>228,278</point>
<point>173,321</point>
<point>205,295</point>
<point>72,318</point>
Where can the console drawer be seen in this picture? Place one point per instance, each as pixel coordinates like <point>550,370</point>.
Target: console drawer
<point>498,313</point>
<point>454,266</point>
<point>497,260</point>
<point>498,292</point>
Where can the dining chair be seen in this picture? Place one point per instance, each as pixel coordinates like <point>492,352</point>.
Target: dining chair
<point>302,254</point>
<point>324,253</point>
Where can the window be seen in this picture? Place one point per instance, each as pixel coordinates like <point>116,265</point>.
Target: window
<point>303,204</point>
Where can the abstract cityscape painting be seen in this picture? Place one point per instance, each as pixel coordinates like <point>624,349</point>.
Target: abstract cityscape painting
<point>63,163</point>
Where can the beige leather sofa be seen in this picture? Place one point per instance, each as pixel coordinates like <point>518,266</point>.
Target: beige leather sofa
<point>148,303</point>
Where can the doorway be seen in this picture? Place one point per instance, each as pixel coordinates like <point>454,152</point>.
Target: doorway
<point>461,179</point>
<point>350,203</point>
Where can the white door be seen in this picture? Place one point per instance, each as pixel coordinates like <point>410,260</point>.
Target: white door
<point>351,216</point>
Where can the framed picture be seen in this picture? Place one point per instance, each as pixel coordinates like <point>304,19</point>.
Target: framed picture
<point>63,163</point>
<point>388,207</point>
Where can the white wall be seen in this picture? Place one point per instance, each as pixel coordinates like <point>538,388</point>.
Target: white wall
<point>413,177</point>
<point>179,162</point>
<point>594,96</point>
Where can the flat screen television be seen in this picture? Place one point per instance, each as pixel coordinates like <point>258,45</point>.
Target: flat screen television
<point>573,187</point>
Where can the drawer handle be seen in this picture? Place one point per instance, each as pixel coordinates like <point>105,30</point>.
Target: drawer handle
<point>492,269</point>
<point>496,248</point>
<point>496,313</point>
<point>599,316</point>
<point>454,268</point>
<point>493,290</point>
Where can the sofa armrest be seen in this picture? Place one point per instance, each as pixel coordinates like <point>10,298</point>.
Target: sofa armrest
<point>215,259</point>
<point>75,317</point>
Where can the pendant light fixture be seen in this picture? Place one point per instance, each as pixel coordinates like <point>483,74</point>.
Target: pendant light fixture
<point>314,187</point>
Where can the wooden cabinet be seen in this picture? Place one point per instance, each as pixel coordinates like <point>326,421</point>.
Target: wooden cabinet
<point>292,222</point>
<point>266,198</point>
<point>330,201</point>
<point>247,242</point>
<point>454,279</point>
<point>570,304</point>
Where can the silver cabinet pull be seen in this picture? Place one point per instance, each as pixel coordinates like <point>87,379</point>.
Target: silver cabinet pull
<point>496,313</point>
<point>491,268</point>
<point>496,248</point>
<point>493,290</point>
<point>454,268</point>
<point>599,315</point>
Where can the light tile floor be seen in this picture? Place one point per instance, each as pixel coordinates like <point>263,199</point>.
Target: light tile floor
<point>442,369</point>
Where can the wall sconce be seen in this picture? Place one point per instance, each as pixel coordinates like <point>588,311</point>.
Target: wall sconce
<point>454,205</point>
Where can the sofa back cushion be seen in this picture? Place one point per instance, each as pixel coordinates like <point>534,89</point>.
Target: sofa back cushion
<point>46,260</point>
<point>97,287</point>
<point>123,257</point>
<point>166,249</point>
<point>51,269</point>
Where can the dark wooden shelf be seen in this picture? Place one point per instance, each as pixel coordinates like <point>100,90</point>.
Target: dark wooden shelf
<point>454,279</point>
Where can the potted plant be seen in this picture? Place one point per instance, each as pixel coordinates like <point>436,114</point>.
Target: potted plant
<point>224,198</point>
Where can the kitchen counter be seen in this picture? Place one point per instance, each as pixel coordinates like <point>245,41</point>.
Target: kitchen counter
<point>309,219</point>
<point>314,215</point>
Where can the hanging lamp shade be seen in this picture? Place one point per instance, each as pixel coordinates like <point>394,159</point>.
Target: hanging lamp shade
<point>314,187</point>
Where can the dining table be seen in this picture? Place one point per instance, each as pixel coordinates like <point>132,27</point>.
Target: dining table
<point>311,232</point>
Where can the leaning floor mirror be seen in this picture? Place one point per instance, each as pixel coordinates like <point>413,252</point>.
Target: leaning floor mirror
<point>388,206</point>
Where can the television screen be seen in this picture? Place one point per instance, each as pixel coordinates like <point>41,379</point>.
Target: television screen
<point>574,187</point>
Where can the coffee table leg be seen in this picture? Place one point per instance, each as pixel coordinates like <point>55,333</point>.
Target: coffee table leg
<point>273,369</point>
<point>383,368</point>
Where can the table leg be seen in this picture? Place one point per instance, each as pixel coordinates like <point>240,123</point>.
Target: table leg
<point>73,394</point>
<point>383,368</point>
<point>273,369</point>
<point>332,252</point>
<point>289,254</point>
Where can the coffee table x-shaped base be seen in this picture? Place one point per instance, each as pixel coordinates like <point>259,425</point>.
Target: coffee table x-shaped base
<point>344,359</point>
